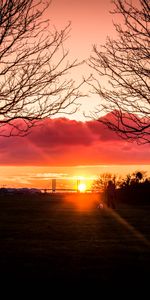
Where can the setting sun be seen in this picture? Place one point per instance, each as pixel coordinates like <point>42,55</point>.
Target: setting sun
<point>82,187</point>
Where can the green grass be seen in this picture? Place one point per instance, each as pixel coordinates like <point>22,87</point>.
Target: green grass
<point>52,238</point>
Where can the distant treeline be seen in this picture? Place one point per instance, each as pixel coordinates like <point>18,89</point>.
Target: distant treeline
<point>133,189</point>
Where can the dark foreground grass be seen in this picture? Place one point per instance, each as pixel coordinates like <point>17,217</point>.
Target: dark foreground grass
<point>59,239</point>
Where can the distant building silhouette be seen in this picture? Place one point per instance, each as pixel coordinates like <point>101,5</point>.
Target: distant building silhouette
<point>53,185</point>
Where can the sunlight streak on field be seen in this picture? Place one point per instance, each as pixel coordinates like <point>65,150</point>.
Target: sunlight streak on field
<point>133,230</point>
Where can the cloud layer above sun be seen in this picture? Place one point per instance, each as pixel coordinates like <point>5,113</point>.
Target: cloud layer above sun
<point>62,142</point>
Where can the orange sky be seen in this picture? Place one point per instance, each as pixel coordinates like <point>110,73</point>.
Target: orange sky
<point>90,20</point>
<point>59,147</point>
<point>64,143</point>
<point>91,23</point>
<point>66,176</point>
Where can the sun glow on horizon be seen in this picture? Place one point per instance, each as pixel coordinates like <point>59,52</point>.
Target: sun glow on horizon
<point>82,187</point>
<point>67,177</point>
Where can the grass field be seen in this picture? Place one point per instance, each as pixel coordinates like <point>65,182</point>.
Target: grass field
<point>67,238</point>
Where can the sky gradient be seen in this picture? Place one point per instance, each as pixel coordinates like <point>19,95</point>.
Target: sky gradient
<point>91,23</point>
<point>66,150</point>
<point>90,20</point>
<point>61,143</point>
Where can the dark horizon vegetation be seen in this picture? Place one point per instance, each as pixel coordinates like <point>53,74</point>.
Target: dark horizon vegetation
<point>133,189</point>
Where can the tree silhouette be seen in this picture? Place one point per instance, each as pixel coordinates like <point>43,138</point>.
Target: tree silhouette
<point>101,183</point>
<point>33,67</point>
<point>139,176</point>
<point>122,69</point>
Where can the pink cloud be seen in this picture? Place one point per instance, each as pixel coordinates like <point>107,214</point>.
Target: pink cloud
<point>67,142</point>
<point>61,131</point>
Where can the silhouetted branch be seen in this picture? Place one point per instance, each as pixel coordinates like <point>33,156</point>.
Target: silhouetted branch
<point>123,69</point>
<point>33,67</point>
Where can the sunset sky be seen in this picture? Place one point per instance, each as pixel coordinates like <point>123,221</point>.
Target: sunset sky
<point>66,148</point>
<point>90,20</point>
<point>91,23</point>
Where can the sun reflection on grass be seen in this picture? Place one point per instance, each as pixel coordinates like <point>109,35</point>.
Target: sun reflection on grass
<point>83,202</point>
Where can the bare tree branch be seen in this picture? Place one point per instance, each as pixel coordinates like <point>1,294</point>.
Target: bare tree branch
<point>122,74</point>
<point>33,67</point>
